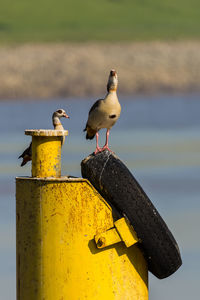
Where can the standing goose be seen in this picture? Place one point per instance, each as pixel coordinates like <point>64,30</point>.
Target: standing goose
<point>104,113</point>
<point>60,113</point>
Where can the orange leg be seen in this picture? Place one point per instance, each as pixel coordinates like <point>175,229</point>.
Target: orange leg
<point>106,144</point>
<point>98,149</point>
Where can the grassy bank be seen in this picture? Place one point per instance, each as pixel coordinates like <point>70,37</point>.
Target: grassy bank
<point>106,20</point>
<point>81,70</point>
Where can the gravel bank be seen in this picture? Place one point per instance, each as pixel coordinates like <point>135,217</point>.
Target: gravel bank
<point>65,70</point>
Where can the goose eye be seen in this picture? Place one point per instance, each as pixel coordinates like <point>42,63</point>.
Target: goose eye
<point>59,111</point>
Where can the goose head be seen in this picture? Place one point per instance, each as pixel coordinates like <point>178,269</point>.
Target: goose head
<point>60,113</point>
<point>112,81</point>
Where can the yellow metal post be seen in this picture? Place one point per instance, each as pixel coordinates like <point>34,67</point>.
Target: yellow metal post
<point>46,152</point>
<point>57,256</point>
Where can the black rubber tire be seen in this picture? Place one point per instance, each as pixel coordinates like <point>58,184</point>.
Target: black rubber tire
<point>117,185</point>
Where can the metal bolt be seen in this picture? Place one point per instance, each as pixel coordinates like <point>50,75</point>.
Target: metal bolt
<point>101,242</point>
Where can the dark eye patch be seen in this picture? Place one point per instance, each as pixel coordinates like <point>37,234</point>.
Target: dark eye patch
<point>112,116</point>
<point>59,111</point>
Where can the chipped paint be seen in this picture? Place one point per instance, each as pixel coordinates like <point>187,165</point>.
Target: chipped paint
<point>57,219</point>
<point>56,252</point>
<point>46,132</point>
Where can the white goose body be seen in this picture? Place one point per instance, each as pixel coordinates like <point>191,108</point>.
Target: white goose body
<point>57,124</point>
<point>106,114</point>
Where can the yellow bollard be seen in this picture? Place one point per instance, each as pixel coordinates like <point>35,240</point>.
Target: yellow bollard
<point>57,256</point>
<point>46,152</point>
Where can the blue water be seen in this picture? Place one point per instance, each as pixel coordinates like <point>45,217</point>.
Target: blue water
<point>157,138</point>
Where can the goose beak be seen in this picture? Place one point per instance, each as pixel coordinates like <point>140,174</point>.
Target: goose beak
<point>113,73</point>
<point>66,116</point>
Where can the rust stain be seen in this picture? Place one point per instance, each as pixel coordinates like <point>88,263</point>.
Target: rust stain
<point>56,213</point>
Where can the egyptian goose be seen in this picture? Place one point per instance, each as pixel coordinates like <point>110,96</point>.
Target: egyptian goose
<point>27,154</point>
<point>104,113</point>
<point>60,113</point>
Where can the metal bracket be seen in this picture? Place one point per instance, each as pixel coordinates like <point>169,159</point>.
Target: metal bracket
<point>121,232</point>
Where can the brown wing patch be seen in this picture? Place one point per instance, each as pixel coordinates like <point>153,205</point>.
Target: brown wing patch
<point>26,158</point>
<point>90,133</point>
<point>27,151</point>
<point>95,105</point>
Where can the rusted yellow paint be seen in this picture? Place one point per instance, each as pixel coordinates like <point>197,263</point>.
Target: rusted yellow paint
<point>57,257</point>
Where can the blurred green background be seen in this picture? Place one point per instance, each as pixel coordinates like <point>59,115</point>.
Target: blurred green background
<point>110,20</point>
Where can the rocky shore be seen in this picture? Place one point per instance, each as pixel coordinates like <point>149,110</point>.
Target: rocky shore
<point>80,70</point>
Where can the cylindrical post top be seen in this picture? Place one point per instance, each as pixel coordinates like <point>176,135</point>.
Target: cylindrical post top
<point>46,132</point>
<point>46,152</point>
